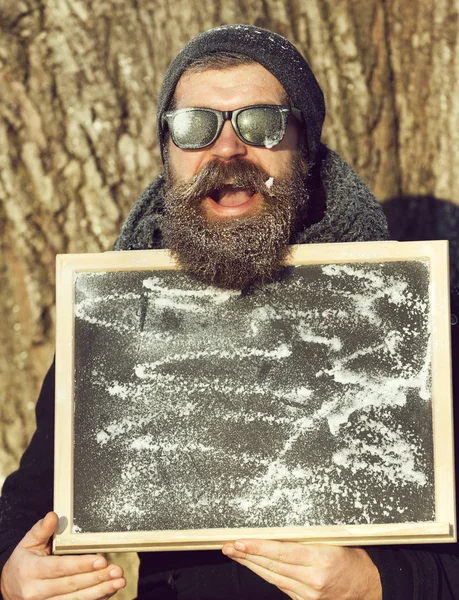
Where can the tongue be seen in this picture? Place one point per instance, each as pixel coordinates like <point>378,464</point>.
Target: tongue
<point>232,197</point>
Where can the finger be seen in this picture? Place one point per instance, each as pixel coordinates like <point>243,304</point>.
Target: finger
<point>297,572</point>
<point>97,592</point>
<point>77,583</point>
<point>51,567</point>
<point>38,536</point>
<point>290,594</point>
<point>284,552</point>
<point>290,586</point>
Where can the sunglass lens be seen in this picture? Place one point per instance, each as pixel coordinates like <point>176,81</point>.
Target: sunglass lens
<point>261,126</point>
<point>193,128</point>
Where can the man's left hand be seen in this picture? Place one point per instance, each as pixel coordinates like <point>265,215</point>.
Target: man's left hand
<point>310,572</point>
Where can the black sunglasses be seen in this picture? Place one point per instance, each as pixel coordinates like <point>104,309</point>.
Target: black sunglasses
<point>258,125</point>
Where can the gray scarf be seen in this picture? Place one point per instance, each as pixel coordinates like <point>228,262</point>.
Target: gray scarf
<point>343,210</point>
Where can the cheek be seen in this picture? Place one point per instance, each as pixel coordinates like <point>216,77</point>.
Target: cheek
<point>184,164</point>
<point>279,160</point>
<point>277,163</point>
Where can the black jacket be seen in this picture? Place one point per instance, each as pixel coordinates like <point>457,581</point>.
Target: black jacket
<point>407,572</point>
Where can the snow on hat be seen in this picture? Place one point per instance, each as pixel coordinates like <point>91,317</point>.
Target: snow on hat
<point>273,52</point>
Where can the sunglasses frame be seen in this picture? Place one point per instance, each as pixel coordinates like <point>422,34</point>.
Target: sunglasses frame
<point>230,115</point>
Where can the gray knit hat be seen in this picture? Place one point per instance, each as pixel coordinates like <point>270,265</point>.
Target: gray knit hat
<point>273,52</point>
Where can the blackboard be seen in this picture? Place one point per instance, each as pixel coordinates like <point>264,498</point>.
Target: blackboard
<point>305,404</point>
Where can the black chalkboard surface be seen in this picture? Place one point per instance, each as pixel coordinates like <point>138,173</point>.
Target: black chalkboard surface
<point>303,406</point>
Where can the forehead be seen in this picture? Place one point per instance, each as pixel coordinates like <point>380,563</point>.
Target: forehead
<point>231,88</point>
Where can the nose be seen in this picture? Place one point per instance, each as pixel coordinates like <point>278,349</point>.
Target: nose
<point>228,145</point>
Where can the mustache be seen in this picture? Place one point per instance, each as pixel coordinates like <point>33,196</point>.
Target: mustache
<point>216,174</point>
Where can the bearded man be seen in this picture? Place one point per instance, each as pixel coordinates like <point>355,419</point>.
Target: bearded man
<point>245,175</point>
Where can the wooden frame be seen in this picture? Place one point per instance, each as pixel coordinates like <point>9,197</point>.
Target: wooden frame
<point>442,529</point>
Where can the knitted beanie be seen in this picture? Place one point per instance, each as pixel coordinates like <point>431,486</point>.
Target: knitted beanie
<point>273,52</point>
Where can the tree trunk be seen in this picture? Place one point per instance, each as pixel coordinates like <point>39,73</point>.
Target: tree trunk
<point>78,87</point>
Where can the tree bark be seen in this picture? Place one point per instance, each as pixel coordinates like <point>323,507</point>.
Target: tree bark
<point>79,82</point>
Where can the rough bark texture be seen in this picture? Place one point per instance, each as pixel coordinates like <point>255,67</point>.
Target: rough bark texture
<point>78,88</point>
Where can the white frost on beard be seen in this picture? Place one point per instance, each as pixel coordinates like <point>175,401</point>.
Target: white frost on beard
<point>269,183</point>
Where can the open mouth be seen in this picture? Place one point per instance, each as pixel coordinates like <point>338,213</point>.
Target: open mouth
<point>229,195</point>
<point>231,201</point>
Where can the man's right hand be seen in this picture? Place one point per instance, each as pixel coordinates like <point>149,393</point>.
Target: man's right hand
<point>32,573</point>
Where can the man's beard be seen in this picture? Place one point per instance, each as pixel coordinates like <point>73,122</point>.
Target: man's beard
<point>234,252</point>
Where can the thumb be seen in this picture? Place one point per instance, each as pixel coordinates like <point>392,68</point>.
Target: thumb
<point>38,536</point>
